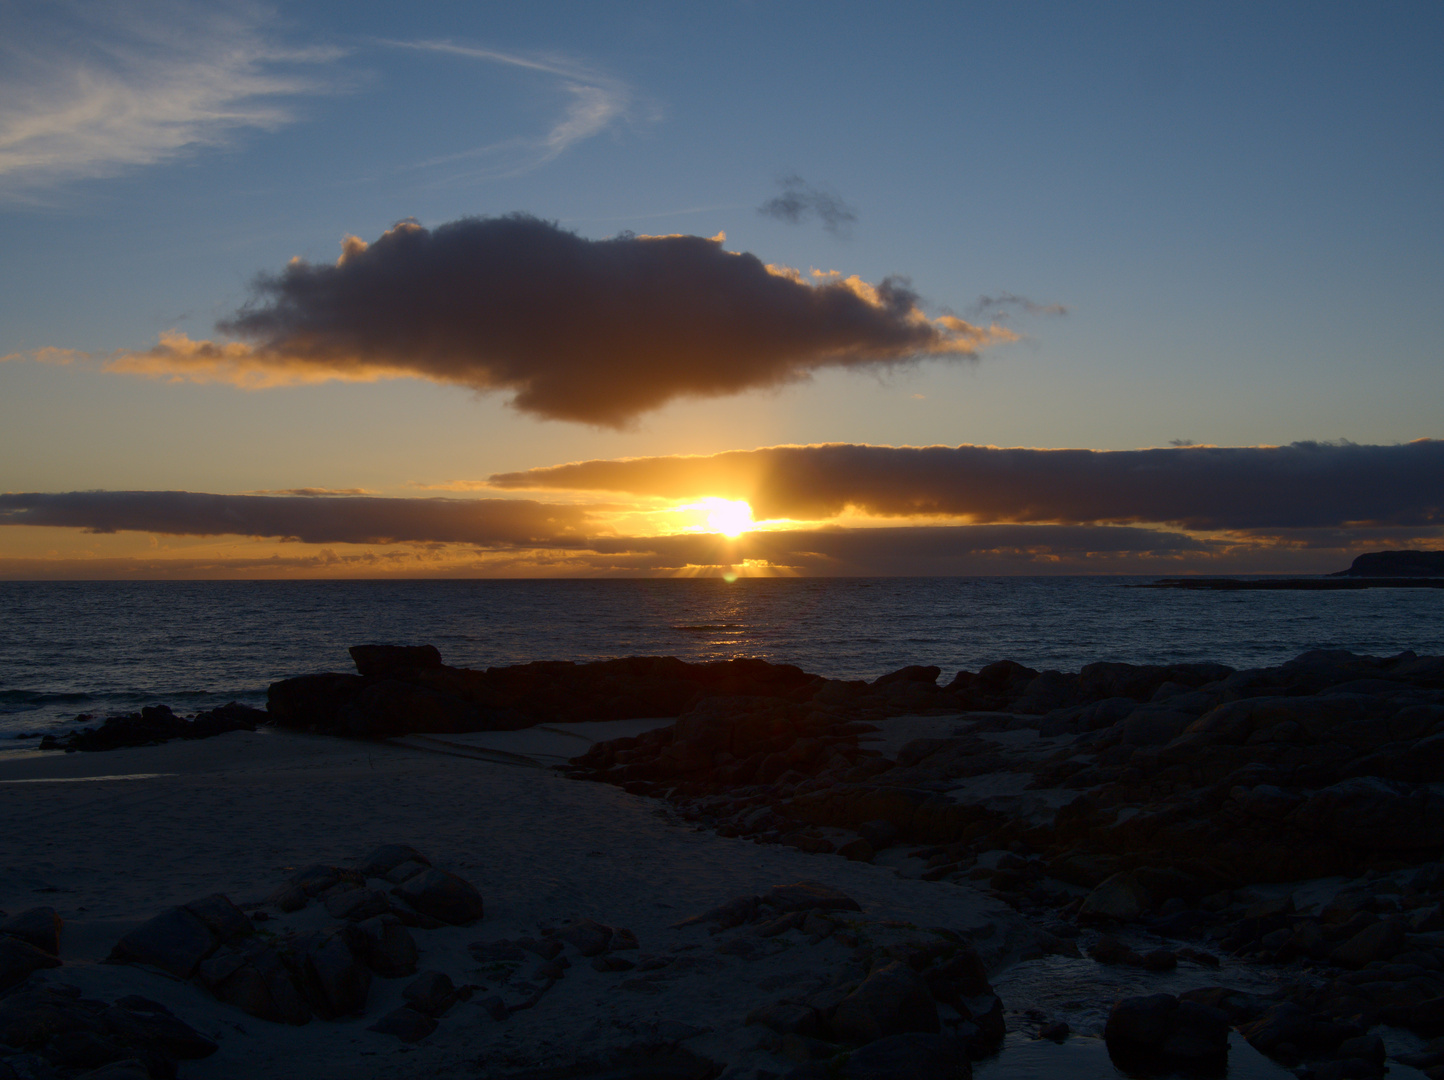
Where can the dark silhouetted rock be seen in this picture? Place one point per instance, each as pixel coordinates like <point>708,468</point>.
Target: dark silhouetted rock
<point>431,992</point>
<point>385,946</point>
<point>383,661</point>
<point>443,896</point>
<point>406,1024</point>
<point>1381,941</point>
<point>810,896</point>
<point>1396,564</point>
<point>1161,1028</point>
<point>257,981</point>
<point>19,959</point>
<point>221,917</point>
<point>913,673</point>
<point>788,1018</point>
<point>910,1056</point>
<point>588,937</point>
<point>1121,897</point>
<point>388,857</point>
<point>893,1000</point>
<point>357,904</point>
<point>39,926</point>
<point>176,941</point>
<point>336,982</point>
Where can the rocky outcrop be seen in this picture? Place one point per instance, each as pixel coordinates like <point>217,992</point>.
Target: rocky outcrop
<point>56,1032</point>
<point>403,689</point>
<point>156,724</point>
<point>1400,564</point>
<point>326,973</point>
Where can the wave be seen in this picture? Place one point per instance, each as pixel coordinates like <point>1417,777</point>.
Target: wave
<point>711,628</point>
<point>17,701</point>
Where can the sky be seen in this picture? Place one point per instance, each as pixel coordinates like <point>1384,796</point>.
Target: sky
<point>718,289</point>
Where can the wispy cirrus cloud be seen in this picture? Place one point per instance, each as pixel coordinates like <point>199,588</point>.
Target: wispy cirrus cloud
<point>596,102</point>
<point>595,331</point>
<point>93,89</point>
<point>1001,305</point>
<point>1303,485</point>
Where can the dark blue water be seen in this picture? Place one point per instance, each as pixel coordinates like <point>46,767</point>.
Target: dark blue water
<point>98,647</point>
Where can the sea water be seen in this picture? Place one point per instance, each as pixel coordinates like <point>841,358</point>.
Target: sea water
<point>99,647</point>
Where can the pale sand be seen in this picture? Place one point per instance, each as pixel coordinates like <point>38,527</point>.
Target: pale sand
<point>237,814</point>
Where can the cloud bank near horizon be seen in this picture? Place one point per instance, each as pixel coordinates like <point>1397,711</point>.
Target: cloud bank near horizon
<point>517,538</point>
<point>328,519</point>
<point>1205,488</point>
<point>593,331</point>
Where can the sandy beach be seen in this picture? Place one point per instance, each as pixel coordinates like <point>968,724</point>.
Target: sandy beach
<point>110,840</point>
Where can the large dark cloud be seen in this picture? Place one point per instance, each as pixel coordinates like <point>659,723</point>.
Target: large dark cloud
<point>1297,486</point>
<point>484,522</point>
<point>597,331</point>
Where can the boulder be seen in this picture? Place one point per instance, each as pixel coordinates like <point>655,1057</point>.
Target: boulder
<point>1160,1028</point>
<point>355,905</point>
<point>443,896</point>
<point>910,1056</point>
<point>913,673</point>
<point>788,1018</point>
<point>176,941</point>
<point>336,983</point>
<point>958,977</point>
<point>893,1000</point>
<point>809,896</point>
<point>1121,897</point>
<point>383,661</point>
<point>406,1024</point>
<point>138,1022</point>
<point>39,926</point>
<point>588,937</point>
<point>391,707</point>
<point>387,857</point>
<point>1287,1031</point>
<point>19,960</point>
<point>1366,813</point>
<point>385,946</point>
<point>232,716</point>
<point>1381,941</point>
<point>257,981</point>
<point>221,917</point>
<point>430,993</point>
<point>318,877</point>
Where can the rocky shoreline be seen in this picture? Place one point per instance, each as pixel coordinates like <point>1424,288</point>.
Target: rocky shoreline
<point>1155,816</point>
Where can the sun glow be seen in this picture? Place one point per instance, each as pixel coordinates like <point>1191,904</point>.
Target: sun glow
<point>730,517</point>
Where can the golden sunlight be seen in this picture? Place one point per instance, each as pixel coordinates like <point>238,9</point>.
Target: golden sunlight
<point>730,517</point>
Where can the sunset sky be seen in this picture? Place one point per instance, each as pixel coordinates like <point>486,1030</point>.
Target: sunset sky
<point>455,289</point>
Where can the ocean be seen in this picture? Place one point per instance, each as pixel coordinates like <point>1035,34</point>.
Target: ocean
<point>100,647</point>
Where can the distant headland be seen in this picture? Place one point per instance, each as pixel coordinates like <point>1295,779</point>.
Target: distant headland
<point>1372,570</point>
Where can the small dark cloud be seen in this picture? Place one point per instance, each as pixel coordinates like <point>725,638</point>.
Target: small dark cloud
<point>801,202</point>
<point>311,492</point>
<point>1181,442</point>
<point>597,331</point>
<point>1006,302</point>
<point>1303,485</point>
<point>355,520</point>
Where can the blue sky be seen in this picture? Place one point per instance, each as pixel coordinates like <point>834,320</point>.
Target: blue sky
<point>1237,205</point>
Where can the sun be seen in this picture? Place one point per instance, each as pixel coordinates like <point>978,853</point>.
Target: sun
<point>730,517</point>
